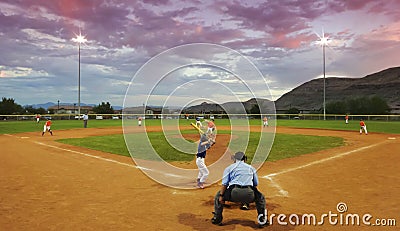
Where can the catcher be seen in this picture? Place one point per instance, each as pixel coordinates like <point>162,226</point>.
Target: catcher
<point>239,184</point>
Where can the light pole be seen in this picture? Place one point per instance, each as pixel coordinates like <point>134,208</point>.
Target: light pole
<point>324,41</point>
<point>79,39</point>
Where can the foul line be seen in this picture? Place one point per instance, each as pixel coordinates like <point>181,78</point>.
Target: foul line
<point>285,193</point>
<point>322,160</point>
<point>106,159</point>
<point>281,191</point>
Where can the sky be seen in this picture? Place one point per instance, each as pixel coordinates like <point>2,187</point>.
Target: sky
<point>39,59</point>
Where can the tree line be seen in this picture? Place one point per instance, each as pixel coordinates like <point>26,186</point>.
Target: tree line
<point>8,106</point>
<point>374,105</point>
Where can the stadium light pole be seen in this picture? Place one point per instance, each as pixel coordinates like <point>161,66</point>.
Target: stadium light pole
<point>323,42</point>
<point>79,39</point>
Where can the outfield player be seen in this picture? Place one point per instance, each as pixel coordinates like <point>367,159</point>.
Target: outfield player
<point>47,127</point>
<point>363,126</point>
<point>239,184</point>
<point>198,122</point>
<point>204,144</point>
<point>346,118</point>
<point>37,118</point>
<point>265,121</point>
<point>139,121</point>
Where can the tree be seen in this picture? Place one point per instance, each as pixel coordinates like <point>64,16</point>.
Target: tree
<point>359,106</point>
<point>103,108</point>
<point>255,111</point>
<point>293,110</point>
<point>378,106</point>
<point>336,107</point>
<point>9,107</point>
<point>374,105</point>
<point>32,110</point>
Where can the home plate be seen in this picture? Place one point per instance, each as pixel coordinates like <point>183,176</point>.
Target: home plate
<point>392,138</point>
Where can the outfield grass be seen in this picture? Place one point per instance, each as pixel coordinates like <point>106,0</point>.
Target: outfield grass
<point>11,127</point>
<point>372,126</point>
<point>285,145</point>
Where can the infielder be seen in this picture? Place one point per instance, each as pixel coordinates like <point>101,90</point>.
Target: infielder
<point>239,184</point>
<point>210,126</point>
<point>363,126</point>
<point>47,127</point>
<point>139,122</point>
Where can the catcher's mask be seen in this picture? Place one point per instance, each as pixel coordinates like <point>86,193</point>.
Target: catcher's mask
<point>239,156</point>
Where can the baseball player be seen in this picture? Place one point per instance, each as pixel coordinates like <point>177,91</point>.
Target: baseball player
<point>47,127</point>
<point>363,126</point>
<point>210,126</point>
<point>265,121</point>
<point>198,122</point>
<point>204,144</point>
<point>346,118</point>
<point>139,122</point>
<point>37,118</point>
<point>239,184</point>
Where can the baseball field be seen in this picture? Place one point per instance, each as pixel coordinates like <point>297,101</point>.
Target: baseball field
<point>319,175</point>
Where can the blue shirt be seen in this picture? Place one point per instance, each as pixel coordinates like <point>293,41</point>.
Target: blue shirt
<point>201,149</point>
<point>240,173</point>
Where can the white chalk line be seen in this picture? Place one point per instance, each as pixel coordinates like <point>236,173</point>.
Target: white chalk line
<point>281,191</point>
<point>21,137</point>
<point>106,159</point>
<point>284,193</point>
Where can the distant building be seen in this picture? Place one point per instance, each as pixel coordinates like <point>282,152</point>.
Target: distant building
<point>69,109</point>
<point>150,112</point>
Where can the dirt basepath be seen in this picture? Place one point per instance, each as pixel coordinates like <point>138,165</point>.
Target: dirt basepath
<point>45,185</point>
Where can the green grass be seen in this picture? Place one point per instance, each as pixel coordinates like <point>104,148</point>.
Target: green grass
<point>12,127</point>
<point>116,144</point>
<point>285,145</point>
<point>392,127</point>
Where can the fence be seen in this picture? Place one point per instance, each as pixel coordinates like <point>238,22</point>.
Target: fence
<point>206,116</point>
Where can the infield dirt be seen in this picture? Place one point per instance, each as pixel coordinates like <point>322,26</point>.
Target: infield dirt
<point>46,185</point>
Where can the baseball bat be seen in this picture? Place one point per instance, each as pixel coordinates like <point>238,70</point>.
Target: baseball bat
<point>197,128</point>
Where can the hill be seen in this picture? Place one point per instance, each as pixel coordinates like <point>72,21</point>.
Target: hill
<point>309,96</point>
<point>266,106</point>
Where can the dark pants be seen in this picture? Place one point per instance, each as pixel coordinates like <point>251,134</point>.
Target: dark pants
<point>247,194</point>
<point>85,123</point>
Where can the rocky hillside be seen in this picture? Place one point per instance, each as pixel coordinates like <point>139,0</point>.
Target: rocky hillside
<point>265,105</point>
<point>309,96</point>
